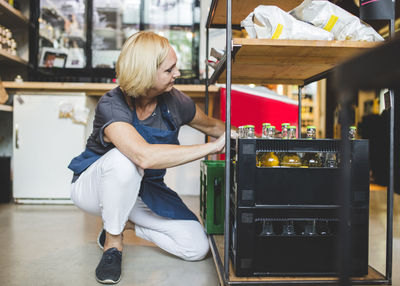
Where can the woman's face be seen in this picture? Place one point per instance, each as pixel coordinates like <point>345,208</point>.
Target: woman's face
<point>167,73</point>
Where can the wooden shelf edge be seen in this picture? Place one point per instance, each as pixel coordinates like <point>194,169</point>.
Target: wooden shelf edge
<point>305,43</point>
<point>12,11</point>
<point>6,108</point>
<point>12,58</point>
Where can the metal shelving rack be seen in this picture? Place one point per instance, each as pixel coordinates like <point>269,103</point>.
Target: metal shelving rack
<point>295,62</point>
<point>378,68</point>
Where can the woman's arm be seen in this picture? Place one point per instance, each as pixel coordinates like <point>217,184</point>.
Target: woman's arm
<point>156,156</point>
<point>208,125</point>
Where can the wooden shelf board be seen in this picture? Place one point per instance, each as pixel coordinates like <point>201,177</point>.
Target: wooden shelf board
<point>241,9</point>
<point>10,59</point>
<point>11,17</point>
<point>98,89</point>
<point>218,254</point>
<point>6,107</point>
<point>263,61</point>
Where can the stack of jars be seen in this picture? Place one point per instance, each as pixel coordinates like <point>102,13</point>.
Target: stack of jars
<point>289,159</point>
<point>7,43</point>
<point>268,131</point>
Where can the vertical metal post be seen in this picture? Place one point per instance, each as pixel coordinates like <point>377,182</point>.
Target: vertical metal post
<point>34,7</point>
<point>228,132</point>
<point>344,249</point>
<point>89,35</point>
<point>141,15</point>
<point>392,31</point>
<point>390,190</point>
<point>299,98</point>
<point>207,83</point>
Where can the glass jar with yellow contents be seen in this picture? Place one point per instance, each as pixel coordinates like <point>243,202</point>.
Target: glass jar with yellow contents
<point>291,159</point>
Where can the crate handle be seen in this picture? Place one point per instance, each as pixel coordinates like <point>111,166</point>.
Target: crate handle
<point>217,200</point>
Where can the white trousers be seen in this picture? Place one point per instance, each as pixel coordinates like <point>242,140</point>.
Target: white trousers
<point>109,188</point>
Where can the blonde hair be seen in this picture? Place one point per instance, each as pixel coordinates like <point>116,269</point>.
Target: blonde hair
<point>140,57</point>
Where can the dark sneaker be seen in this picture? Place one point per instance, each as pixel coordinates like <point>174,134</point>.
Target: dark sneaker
<point>109,269</point>
<point>101,238</point>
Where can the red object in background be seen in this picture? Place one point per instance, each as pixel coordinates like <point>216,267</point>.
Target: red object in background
<point>256,106</point>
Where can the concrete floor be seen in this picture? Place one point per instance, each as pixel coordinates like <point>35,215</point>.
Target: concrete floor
<point>55,245</point>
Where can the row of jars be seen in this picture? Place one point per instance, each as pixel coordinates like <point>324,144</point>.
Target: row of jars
<point>268,131</point>
<point>297,159</point>
<point>7,42</point>
<point>287,132</point>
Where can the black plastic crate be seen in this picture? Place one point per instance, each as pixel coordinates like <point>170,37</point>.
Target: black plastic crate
<point>301,253</point>
<point>257,186</point>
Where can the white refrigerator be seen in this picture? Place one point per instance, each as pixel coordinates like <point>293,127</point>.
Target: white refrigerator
<point>49,129</point>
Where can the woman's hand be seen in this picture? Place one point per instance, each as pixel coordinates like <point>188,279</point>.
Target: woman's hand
<point>234,134</point>
<point>219,144</point>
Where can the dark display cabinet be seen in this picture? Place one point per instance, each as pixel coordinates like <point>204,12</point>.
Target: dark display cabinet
<point>62,34</point>
<point>81,40</point>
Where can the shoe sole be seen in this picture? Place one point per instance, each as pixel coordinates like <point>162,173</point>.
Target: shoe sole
<point>108,281</point>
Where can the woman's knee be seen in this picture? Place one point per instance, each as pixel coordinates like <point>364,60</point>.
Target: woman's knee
<point>201,249</point>
<point>196,247</point>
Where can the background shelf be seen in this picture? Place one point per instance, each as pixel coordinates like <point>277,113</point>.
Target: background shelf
<point>10,59</point>
<point>11,16</point>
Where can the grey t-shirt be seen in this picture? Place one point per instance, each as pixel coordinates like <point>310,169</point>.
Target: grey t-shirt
<point>112,107</point>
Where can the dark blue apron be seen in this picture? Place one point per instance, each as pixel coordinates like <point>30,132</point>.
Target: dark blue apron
<point>153,191</point>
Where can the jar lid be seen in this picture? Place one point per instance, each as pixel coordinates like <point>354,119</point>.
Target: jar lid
<point>271,126</point>
<point>353,127</point>
<point>266,124</point>
<point>311,126</point>
<point>250,126</point>
<point>291,127</point>
<point>285,124</point>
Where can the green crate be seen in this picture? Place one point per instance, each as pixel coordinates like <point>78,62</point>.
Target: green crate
<point>212,195</point>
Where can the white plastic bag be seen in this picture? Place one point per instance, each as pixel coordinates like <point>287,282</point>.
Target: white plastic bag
<point>248,24</point>
<point>342,24</point>
<point>271,22</point>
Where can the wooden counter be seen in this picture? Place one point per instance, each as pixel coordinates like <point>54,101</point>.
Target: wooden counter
<point>196,92</point>
<point>98,89</point>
